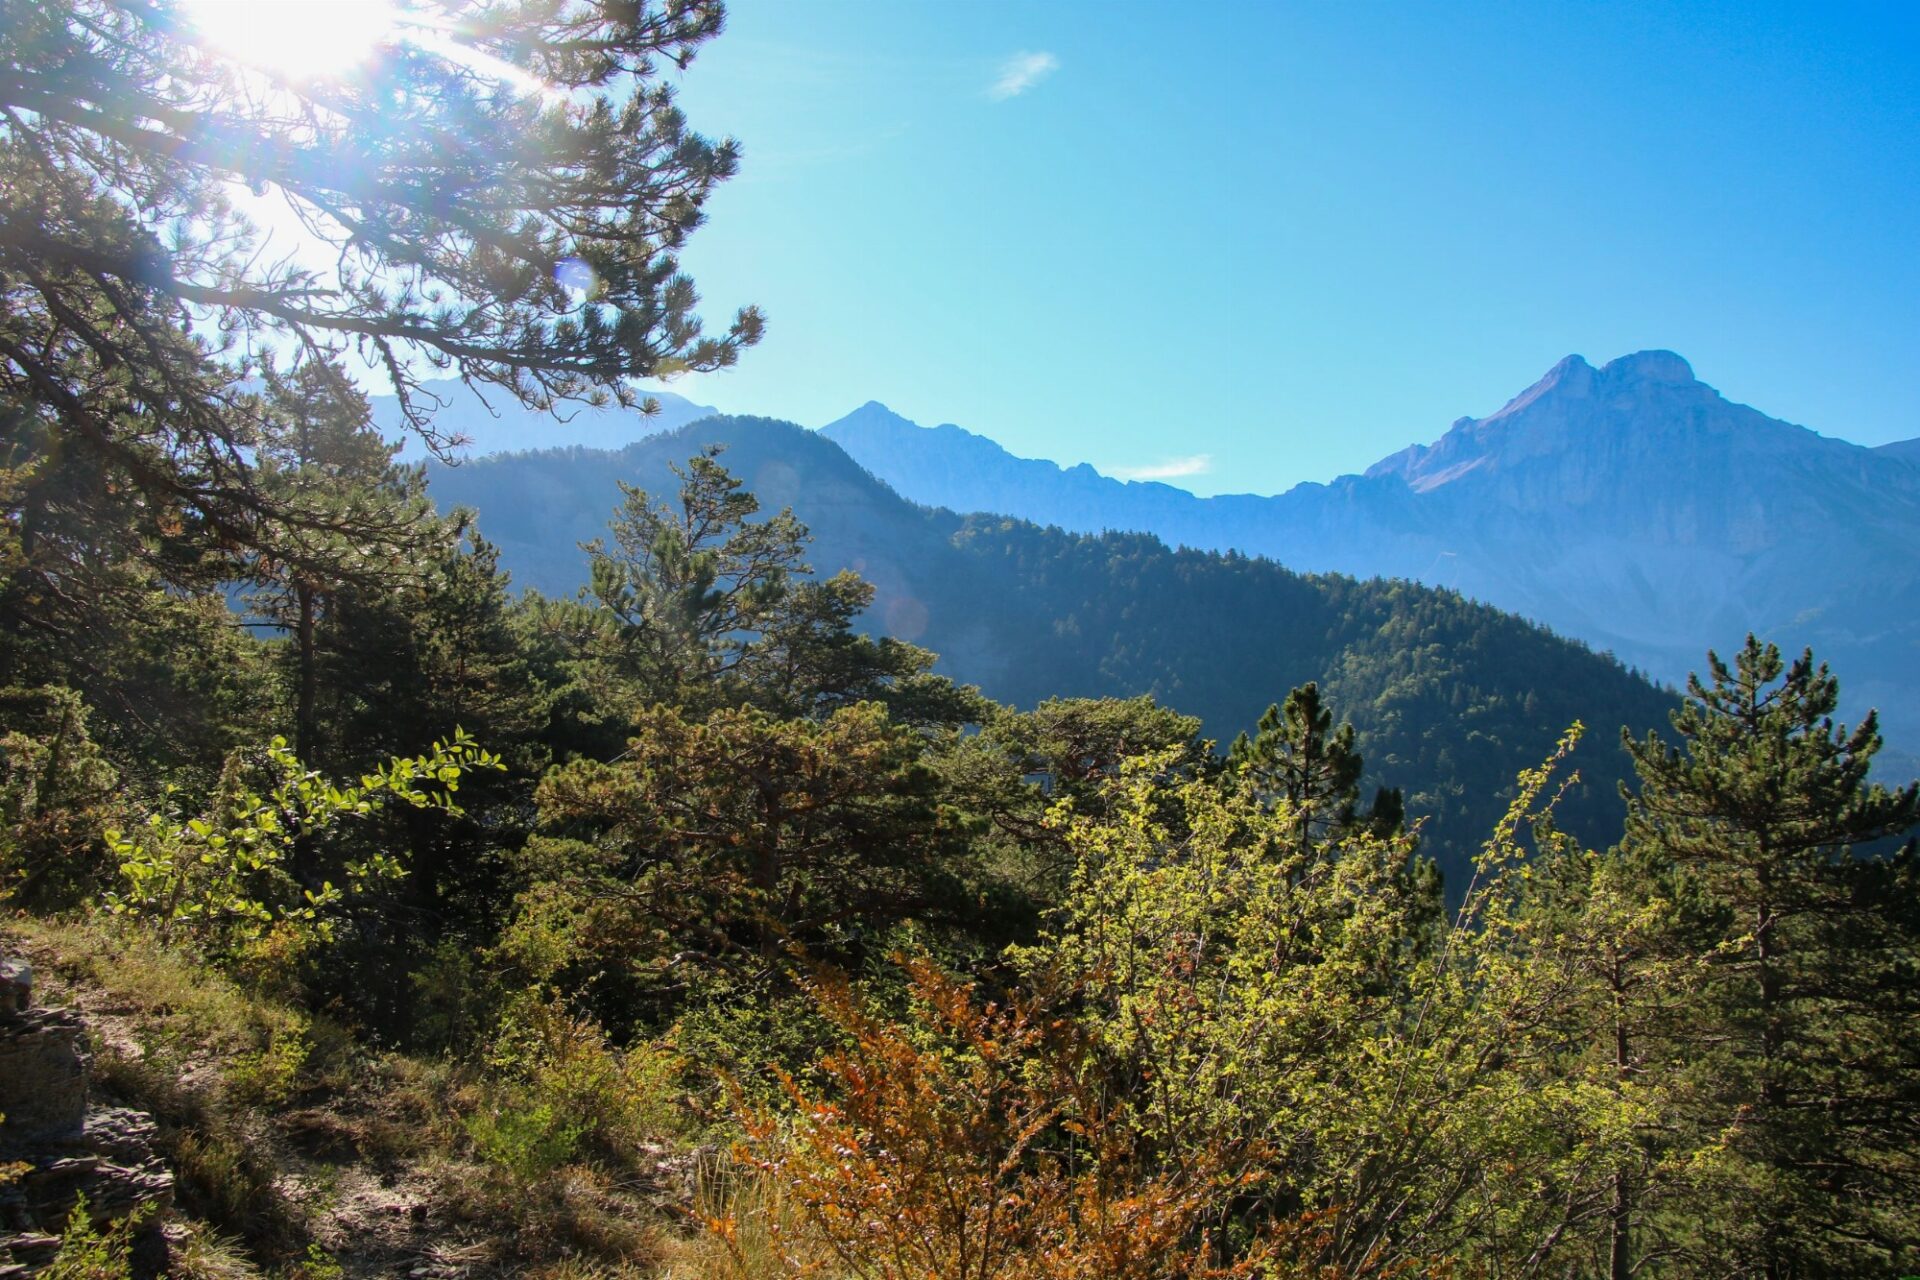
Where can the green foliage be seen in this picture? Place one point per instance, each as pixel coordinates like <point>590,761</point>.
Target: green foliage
<point>114,598</point>
<point>692,585</point>
<point>1243,977</point>
<point>1804,1077</point>
<point>716,843</point>
<point>697,604</point>
<point>87,1253</point>
<point>56,793</point>
<point>317,1265</point>
<point>614,1101</point>
<point>370,524</point>
<point>1416,1091</point>
<point>526,1144</point>
<point>269,1075</point>
<point>1007,777</point>
<point>1590,957</point>
<point>1297,757</point>
<point>233,877</point>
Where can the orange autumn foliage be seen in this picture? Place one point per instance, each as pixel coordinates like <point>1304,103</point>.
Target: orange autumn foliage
<point>979,1143</point>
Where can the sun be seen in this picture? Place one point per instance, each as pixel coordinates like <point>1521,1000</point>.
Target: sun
<point>295,39</point>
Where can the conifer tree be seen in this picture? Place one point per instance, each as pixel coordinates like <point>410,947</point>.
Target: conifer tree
<point>506,203</point>
<point>1298,758</point>
<point>319,449</point>
<point>1805,1032</point>
<point>696,602</point>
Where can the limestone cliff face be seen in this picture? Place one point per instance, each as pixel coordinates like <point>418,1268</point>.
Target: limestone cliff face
<point>1633,506</point>
<point>1640,446</point>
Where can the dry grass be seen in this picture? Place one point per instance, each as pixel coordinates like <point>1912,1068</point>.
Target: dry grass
<point>198,1254</point>
<point>283,1133</point>
<point>741,1224</point>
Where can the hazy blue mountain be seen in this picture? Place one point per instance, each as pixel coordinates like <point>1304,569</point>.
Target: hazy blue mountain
<point>1905,450</point>
<point>948,466</point>
<point>500,424</point>
<point>1449,698</point>
<point>1631,506</point>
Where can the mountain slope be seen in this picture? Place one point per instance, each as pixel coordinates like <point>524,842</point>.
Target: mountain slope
<point>1905,450</point>
<point>1631,506</point>
<point>1450,698</point>
<point>500,424</point>
<point>948,466</point>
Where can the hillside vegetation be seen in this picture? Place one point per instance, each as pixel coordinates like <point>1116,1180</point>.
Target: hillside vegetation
<point>681,928</point>
<point>1450,699</point>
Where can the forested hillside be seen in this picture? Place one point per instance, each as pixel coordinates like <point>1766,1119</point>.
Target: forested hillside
<point>1450,699</point>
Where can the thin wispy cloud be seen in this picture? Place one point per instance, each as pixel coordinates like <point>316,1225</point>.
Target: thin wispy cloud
<point>1020,73</point>
<point>1197,464</point>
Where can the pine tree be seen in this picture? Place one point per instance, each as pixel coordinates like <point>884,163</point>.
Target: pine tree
<point>695,602</point>
<point>457,212</point>
<point>319,449</point>
<point>1806,1030</point>
<point>1297,759</point>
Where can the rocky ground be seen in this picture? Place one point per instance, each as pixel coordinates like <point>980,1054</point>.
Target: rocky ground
<point>142,1086</point>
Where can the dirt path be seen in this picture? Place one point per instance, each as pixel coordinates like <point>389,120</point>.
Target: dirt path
<point>374,1214</point>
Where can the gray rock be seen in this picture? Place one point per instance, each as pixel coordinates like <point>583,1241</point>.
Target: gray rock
<point>16,986</point>
<point>68,1150</point>
<point>43,1077</point>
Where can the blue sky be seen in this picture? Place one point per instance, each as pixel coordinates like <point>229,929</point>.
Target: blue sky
<point>1293,238</point>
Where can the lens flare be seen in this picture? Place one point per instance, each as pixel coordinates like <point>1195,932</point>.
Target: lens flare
<point>575,276</point>
<point>294,39</point>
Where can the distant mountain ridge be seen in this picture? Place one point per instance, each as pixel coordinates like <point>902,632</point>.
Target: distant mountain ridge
<point>1630,505</point>
<point>1905,450</point>
<point>497,423</point>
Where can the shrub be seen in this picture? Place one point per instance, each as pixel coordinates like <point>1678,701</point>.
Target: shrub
<point>974,1143</point>
<point>616,1099</point>
<point>526,1144</point>
<point>231,878</point>
<point>87,1253</point>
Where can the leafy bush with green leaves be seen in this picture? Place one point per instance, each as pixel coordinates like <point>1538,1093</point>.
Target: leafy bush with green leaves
<point>247,869</point>
<point>526,1143</point>
<point>549,1057</point>
<point>88,1253</point>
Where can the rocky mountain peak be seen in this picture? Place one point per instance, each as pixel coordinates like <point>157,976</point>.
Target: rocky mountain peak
<point>1572,378</point>
<point>1642,391</point>
<point>1648,366</point>
<point>1637,375</point>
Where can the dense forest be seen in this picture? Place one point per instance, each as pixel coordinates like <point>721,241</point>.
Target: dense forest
<point>699,923</point>
<point>1449,699</point>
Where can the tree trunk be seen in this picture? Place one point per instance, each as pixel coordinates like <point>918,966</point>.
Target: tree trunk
<point>303,711</point>
<point>1620,1208</point>
<point>302,868</point>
